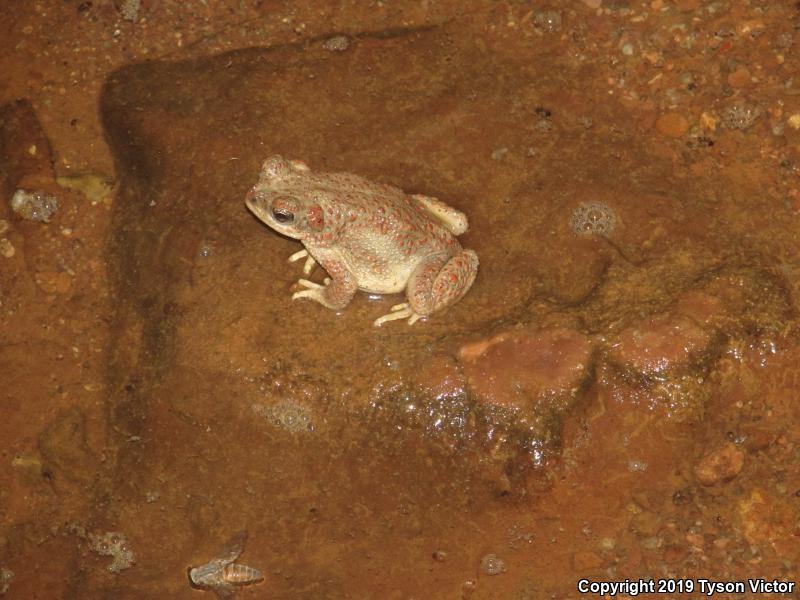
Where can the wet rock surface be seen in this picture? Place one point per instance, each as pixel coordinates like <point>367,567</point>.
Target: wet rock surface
<point>164,217</point>
<point>528,369</point>
<point>229,407</point>
<point>660,346</point>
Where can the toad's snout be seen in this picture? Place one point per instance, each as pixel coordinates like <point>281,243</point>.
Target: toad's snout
<point>253,200</point>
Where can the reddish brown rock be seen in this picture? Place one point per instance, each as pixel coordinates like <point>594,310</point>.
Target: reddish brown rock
<point>523,368</point>
<point>441,377</point>
<point>740,78</point>
<point>659,345</point>
<point>672,125</point>
<point>722,464</point>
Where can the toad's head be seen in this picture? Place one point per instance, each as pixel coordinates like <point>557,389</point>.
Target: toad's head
<point>285,201</point>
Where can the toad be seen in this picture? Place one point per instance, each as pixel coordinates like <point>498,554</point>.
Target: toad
<point>367,236</point>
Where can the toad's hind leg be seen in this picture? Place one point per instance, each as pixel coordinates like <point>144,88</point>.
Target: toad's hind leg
<point>453,220</point>
<point>440,281</point>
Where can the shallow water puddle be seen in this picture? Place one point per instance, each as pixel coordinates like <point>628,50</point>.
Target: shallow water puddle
<point>377,463</point>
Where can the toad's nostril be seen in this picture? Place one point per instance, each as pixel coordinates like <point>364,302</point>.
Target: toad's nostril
<point>251,198</point>
<point>282,216</point>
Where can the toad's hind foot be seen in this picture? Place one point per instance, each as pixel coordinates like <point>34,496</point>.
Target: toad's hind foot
<point>398,311</point>
<point>313,291</point>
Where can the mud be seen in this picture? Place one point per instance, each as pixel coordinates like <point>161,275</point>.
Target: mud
<point>610,400</point>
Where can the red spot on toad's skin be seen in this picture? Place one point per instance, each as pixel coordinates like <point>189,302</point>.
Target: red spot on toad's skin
<point>315,217</point>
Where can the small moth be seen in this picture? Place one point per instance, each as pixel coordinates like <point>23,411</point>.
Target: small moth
<point>221,574</point>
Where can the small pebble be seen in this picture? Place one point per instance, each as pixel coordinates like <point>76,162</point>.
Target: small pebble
<point>440,556</point>
<point>4,226</point>
<point>7,248</point>
<point>672,125</point>
<point>499,153</point>
<point>722,464</point>
<point>6,576</point>
<point>627,49</point>
<point>709,121</point>
<point>608,543</point>
<point>794,123</point>
<point>740,78</point>
<point>53,282</point>
<point>97,188</point>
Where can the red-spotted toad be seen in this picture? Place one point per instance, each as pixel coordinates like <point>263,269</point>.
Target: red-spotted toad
<point>367,236</point>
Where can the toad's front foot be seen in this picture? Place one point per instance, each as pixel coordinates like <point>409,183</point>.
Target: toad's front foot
<point>336,291</point>
<point>309,264</point>
<point>399,311</point>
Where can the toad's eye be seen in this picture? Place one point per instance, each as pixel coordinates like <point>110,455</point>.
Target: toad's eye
<point>282,215</point>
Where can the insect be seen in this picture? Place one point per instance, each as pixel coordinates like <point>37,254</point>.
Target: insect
<point>221,574</point>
